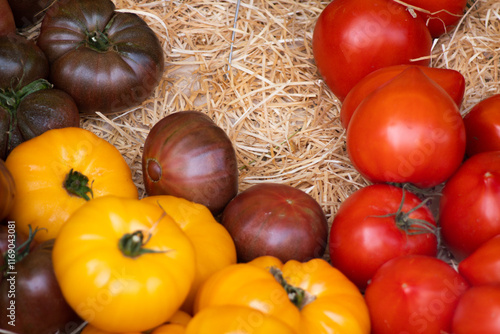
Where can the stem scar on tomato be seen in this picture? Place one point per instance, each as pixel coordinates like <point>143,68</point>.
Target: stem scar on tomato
<point>21,251</point>
<point>298,296</point>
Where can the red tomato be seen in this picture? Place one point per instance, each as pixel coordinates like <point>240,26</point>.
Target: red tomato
<point>483,265</point>
<point>414,294</point>
<point>482,126</point>
<point>355,37</point>
<point>371,227</point>
<point>440,16</point>
<point>478,311</point>
<point>408,131</point>
<point>470,204</point>
<point>453,82</point>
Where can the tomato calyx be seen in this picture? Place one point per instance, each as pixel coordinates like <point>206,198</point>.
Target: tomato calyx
<point>15,255</point>
<point>99,40</point>
<point>411,226</point>
<point>76,183</point>
<point>132,244</point>
<point>298,296</point>
<point>11,98</point>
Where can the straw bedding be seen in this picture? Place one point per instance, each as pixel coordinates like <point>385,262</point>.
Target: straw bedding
<point>281,117</point>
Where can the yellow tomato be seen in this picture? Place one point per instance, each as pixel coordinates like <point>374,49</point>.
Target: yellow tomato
<point>123,264</point>
<point>311,297</point>
<point>212,243</point>
<point>58,171</point>
<point>89,329</point>
<point>236,320</point>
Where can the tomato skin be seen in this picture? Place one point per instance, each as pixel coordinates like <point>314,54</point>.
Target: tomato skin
<point>360,215</point>
<point>7,24</point>
<point>482,125</point>
<point>7,191</point>
<point>115,291</point>
<point>29,12</point>
<point>188,155</point>
<point>483,265</point>
<point>470,204</point>
<point>478,311</point>
<point>21,61</point>
<point>278,220</point>
<point>351,39</point>
<point>40,307</point>
<point>41,165</point>
<point>414,294</point>
<point>450,80</point>
<point>440,16</point>
<point>107,74</point>
<point>407,131</point>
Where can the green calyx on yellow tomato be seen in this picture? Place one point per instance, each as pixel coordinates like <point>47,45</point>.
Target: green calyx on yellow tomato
<point>77,184</point>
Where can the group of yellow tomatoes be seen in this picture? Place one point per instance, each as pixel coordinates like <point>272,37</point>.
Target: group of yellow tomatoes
<point>160,264</point>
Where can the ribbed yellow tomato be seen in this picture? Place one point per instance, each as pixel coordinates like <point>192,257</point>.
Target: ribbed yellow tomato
<point>57,172</point>
<point>310,297</point>
<point>212,243</point>
<point>123,264</point>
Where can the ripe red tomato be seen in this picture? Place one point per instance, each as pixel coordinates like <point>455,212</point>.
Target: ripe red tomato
<point>453,82</point>
<point>414,294</point>
<point>478,311</point>
<point>378,223</point>
<point>278,220</point>
<point>482,126</point>
<point>470,204</point>
<point>440,16</point>
<point>352,38</point>
<point>483,265</point>
<point>408,131</point>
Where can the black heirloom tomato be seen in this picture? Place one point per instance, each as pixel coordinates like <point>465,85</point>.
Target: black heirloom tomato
<point>278,220</point>
<point>7,192</point>
<point>187,155</point>
<point>21,61</point>
<point>30,294</point>
<point>31,110</point>
<point>108,61</point>
<point>7,24</point>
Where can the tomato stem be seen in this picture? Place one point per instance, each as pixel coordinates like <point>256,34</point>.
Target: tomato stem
<point>21,251</point>
<point>77,184</point>
<point>298,296</point>
<point>132,244</point>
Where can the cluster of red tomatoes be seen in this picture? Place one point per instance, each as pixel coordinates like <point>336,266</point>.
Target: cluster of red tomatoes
<point>422,239</point>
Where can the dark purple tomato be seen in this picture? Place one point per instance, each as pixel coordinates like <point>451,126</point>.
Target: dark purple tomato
<point>107,61</point>
<point>278,220</point>
<point>7,24</point>
<point>31,298</point>
<point>37,108</point>
<point>187,155</point>
<point>21,62</point>
<point>7,191</point>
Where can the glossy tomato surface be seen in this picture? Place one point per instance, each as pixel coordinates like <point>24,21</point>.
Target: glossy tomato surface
<point>408,131</point>
<point>355,37</point>
<point>108,61</point>
<point>414,294</point>
<point>375,224</point>
<point>452,81</point>
<point>278,220</point>
<point>483,265</point>
<point>482,125</point>
<point>187,155</point>
<point>478,311</point>
<point>470,204</point>
<point>440,16</point>
<point>39,306</point>
<point>21,62</point>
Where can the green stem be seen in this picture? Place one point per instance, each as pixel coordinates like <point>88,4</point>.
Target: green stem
<point>78,184</point>
<point>298,296</point>
<point>22,250</point>
<point>132,245</point>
